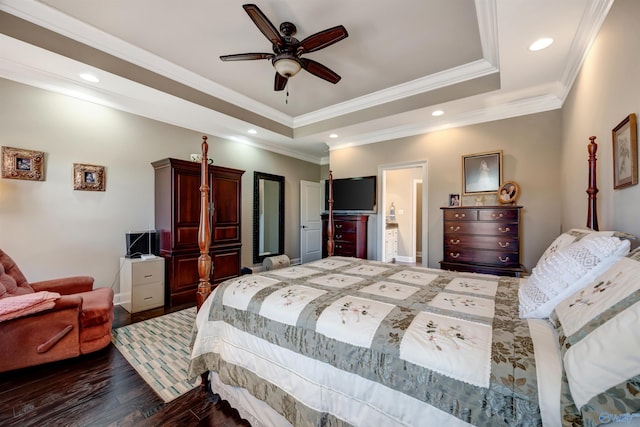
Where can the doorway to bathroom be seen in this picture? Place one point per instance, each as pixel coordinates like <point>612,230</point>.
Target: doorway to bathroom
<point>402,213</point>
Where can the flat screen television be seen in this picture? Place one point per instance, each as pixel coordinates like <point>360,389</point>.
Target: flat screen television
<point>352,195</point>
<point>141,243</point>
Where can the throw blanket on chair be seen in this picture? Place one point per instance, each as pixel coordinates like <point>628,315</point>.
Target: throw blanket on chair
<point>23,305</point>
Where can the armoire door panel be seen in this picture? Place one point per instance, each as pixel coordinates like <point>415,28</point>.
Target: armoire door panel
<point>222,234</point>
<point>227,199</point>
<point>226,265</point>
<point>188,192</point>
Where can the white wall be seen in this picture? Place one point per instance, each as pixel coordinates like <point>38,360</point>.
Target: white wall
<point>50,230</point>
<point>606,91</point>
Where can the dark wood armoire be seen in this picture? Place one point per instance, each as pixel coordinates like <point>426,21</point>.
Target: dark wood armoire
<point>177,218</point>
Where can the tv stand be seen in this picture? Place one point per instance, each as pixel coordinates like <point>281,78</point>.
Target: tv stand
<point>349,236</point>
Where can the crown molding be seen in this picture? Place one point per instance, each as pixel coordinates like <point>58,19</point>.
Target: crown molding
<point>506,110</point>
<point>487,12</point>
<point>452,76</point>
<point>588,30</point>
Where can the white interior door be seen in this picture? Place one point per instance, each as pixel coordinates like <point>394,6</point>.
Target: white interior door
<point>310,221</point>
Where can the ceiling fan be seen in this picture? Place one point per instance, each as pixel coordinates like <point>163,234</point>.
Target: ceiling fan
<point>287,50</point>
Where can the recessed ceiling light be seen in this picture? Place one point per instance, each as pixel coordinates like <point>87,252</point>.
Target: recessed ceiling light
<point>89,77</point>
<point>333,136</point>
<point>437,113</point>
<point>541,44</point>
<point>252,131</point>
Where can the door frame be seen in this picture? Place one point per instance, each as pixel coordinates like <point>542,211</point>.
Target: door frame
<point>382,189</point>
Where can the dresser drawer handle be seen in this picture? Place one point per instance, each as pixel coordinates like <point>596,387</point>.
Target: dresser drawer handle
<point>500,215</point>
<point>338,225</point>
<point>338,246</point>
<point>503,260</point>
<point>454,255</point>
<point>454,242</point>
<point>503,245</point>
<point>452,228</point>
<point>460,215</point>
<point>338,236</point>
<point>504,230</point>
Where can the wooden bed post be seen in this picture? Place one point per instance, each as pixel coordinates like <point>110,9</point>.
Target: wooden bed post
<point>204,229</point>
<point>592,210</point>
<point>204,240</point>
<point>330,218</point>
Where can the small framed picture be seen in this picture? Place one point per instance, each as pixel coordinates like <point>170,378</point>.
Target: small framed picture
<point>18,163</point>
<point>88,177</point>
<point>481,173</point>
<point>508,193</point>
<point>454,200</point>
<point>625,153</point>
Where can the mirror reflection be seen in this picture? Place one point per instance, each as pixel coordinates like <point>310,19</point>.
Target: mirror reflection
<point>268,216</point>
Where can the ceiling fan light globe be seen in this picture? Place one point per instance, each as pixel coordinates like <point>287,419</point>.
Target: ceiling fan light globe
<point>287,67</point>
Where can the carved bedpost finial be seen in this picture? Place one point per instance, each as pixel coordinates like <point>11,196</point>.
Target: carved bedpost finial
<point>592,190</point>
<point>204,229</point>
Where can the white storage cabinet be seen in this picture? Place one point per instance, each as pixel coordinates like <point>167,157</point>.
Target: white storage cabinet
<point>142,283</point>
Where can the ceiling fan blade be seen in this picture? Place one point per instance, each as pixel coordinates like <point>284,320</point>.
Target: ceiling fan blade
<point>280,82</point>
<point>319,70</point>
<point>246,56</point>
<point>263,24</point>
<point>323,39</point>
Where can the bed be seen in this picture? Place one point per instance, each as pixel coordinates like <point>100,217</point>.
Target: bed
<point>351,342</point>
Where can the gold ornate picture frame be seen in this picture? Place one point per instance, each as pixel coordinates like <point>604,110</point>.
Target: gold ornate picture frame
<point>88,177</point>
<point>625,153</point>
<point>18,163</point>
<point>508,193</point>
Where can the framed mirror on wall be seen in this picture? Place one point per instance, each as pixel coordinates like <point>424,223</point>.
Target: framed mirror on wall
<point>268,216</point>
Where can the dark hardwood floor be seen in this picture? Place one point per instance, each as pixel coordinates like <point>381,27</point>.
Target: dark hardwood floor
<point>102,389</point>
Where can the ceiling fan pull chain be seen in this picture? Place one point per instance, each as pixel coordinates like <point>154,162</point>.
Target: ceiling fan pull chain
<point>286,100</point>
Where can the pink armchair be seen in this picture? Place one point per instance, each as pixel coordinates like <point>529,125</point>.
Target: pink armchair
<point>78,322</point>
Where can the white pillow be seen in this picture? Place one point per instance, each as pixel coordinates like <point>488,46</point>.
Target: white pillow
<point>599,335</point>
<point>574,235</point>
<point>564,240</point>
<point>566,271</point>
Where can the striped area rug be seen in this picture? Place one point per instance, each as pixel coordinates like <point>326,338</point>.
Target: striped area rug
<point>159,351</point>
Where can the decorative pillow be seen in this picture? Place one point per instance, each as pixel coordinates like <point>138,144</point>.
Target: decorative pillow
<point>564,240</point>
<point>599,332</point>
<point>575,234</point>
<point>566,271</point>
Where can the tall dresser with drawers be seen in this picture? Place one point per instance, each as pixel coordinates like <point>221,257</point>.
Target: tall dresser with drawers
<point>482,239</point>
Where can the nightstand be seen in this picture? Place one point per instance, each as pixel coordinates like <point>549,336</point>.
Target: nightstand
<point>142,283</point>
